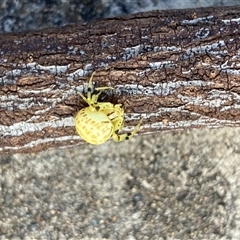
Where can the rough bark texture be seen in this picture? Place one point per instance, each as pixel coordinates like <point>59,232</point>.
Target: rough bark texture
<point>177,69</point>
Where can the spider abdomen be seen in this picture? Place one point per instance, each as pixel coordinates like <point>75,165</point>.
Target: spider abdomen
<point>93,126</point>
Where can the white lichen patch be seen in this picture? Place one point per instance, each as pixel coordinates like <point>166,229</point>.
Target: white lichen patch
<point>159,89</point>
<point>229,21</point>
<point>195,21</point>
<point>21,128</point>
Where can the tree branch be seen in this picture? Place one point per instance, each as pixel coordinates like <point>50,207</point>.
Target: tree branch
<point>177,69</point>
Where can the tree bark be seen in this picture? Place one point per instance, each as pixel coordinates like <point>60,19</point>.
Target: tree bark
<point>177,69</point>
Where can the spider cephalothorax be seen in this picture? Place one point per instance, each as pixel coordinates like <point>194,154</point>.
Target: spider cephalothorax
<point>101,120</point>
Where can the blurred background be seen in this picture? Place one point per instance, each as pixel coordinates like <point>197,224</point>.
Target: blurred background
<point>160,186</point>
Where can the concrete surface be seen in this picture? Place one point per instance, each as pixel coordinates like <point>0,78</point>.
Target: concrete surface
<point>169,186</point>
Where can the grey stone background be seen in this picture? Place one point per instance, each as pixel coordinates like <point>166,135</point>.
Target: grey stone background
<point>160,186</point>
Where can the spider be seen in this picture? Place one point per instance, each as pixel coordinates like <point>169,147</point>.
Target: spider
<point>100,121</point>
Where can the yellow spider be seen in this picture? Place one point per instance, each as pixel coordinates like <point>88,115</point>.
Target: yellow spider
<point>101,120</point>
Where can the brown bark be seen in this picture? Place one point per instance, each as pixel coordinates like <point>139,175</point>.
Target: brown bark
<point>177,69</point>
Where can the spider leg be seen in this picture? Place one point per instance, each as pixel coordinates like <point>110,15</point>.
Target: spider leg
<point>121,137</point>
<point>85,99</point>
<point>117,124</point>
<point>94,98</point>
<point>89,90</point>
